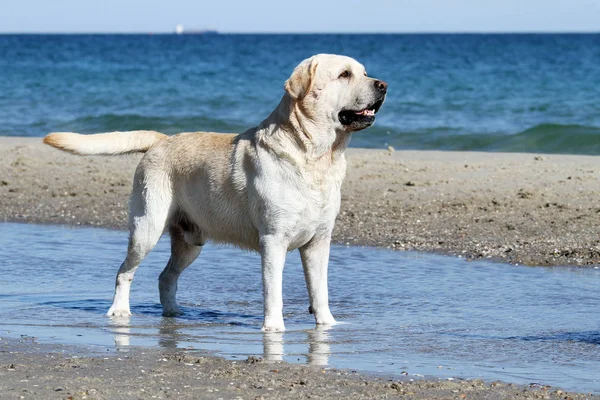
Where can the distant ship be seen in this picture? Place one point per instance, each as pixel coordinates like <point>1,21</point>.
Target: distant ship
<point>181,31</point>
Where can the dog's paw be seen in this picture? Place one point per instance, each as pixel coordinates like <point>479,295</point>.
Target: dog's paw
<point>267,328</point>
<point>325,319</point>
<point>273,326</point>
<point>118,312</point>
<point>172,312</point>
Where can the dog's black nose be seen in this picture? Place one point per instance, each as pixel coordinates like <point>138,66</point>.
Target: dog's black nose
<point>381,86</point>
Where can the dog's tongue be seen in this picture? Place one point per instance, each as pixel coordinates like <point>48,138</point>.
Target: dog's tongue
<point>366,112</point>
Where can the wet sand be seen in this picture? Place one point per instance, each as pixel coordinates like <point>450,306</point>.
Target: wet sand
<point>29,370</point>
<point>521,208</point>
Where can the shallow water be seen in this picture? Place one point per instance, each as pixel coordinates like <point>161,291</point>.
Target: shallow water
<point>403,312</point>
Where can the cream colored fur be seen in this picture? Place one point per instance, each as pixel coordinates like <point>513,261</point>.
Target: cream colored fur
<point>112,143</point>
<point>273,188</point>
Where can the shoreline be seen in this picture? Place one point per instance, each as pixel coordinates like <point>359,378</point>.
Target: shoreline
<point>518,208</point>
<point>56,371</point>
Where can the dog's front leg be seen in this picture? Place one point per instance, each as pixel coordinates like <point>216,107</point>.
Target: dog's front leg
<point>315,259</point>
<point>272,251</point>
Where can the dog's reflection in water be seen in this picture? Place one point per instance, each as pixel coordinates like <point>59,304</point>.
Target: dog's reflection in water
<point>273,346</point>
<point>319,349</point>
<point>168,334</point>
<point>318,340</point>
<point>122,332</point>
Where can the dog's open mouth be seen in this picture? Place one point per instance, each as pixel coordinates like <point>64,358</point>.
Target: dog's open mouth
<point>360,119</point>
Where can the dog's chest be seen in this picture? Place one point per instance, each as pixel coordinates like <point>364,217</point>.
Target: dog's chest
<point>313,210</point>
<point>297,202</point>
<point>312,221</point>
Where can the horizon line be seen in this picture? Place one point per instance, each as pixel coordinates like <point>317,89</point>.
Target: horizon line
<point>215,31</point>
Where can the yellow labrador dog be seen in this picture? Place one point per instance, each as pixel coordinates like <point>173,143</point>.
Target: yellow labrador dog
<point>273,188</point>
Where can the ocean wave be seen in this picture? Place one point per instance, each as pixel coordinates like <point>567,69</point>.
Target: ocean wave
<point>542,138</point>
<point>555,138</point>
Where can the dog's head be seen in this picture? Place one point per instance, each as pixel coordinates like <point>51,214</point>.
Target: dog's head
<point>336,92</point>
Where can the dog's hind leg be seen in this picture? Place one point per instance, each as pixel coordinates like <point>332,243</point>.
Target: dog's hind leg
<point>182,255</point>
<point>148,214</point>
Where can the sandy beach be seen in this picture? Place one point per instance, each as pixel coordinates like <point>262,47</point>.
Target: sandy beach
<point>518,208</point>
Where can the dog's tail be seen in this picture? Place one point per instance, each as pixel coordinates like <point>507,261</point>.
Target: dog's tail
<point>107,144</point>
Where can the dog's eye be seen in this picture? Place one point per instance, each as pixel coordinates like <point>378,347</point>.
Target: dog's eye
<point>345,74</point>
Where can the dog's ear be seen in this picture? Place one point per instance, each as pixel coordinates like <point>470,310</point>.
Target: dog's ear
<point>300,82</point>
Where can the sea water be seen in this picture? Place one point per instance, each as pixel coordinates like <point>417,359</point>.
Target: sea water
<point>507,92</point>
<point>401,313</point>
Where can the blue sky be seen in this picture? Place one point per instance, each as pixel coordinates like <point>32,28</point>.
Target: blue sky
<point>300,16</point>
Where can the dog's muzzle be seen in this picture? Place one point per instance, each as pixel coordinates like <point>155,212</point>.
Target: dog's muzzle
<point>356,120</point>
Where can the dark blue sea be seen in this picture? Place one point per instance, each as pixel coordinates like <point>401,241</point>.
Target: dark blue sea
<point>526,93</point>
